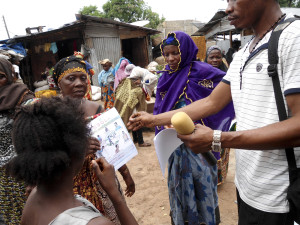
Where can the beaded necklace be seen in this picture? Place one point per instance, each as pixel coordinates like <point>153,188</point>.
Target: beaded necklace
<point>271,28</point>
<point>90,118</point>
<point>254,47</point>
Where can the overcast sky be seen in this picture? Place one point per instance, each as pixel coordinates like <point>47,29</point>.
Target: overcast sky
<point>20,14</point>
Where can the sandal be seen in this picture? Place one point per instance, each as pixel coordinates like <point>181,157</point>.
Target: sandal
<point>145,144</point>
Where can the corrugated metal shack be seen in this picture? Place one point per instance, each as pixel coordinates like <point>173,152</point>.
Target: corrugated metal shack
<point>100,37</point>
<point>215,32</point>
<point>217,26</point>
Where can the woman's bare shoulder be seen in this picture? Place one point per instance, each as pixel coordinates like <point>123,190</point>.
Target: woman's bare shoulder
<point>92,107</point>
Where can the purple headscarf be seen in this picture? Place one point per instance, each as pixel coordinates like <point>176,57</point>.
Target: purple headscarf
<point>193,80</point>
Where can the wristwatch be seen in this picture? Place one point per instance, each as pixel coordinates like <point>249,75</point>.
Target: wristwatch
<point>216,144</point>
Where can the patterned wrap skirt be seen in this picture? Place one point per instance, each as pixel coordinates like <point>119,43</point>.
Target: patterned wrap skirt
<point>192,184</point>
<point>12,199</point>
<point>223,164</point>
<point>108,97</point>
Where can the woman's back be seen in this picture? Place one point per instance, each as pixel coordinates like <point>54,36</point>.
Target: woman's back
<point>80,215</point>
<point>40,211</point>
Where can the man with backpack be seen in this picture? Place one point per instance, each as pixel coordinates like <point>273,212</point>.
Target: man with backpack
<point>262,175</point>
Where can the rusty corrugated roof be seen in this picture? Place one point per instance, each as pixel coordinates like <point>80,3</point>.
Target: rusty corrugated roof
<point>74,30</point>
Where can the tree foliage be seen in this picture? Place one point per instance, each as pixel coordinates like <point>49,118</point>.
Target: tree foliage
<point>289,3</point>
<point>91,11</point>
<point>127,11</point>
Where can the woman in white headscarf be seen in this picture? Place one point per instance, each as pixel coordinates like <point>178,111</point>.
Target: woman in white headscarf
<point>148,80</point>
<point>131,96</point>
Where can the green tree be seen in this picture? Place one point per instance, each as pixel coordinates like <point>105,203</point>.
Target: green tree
<point>91,11</point>
<point>127,11</point>
<point>153,18</point>
<point>289,3</point>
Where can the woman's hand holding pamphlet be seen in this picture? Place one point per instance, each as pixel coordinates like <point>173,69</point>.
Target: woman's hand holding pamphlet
<point>116,144</point>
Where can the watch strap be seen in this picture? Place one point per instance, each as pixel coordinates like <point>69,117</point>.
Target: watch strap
<point>216,143</point>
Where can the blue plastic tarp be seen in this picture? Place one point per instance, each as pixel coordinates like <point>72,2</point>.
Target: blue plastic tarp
<point>18,48</point>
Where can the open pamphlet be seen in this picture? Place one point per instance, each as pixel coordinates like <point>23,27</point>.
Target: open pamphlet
<point>165,143</point>
<point>116,144</point>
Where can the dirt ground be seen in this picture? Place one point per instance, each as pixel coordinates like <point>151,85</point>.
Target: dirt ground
<point>150,203</point>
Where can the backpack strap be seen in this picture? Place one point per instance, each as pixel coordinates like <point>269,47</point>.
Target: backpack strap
<point>273,73</point>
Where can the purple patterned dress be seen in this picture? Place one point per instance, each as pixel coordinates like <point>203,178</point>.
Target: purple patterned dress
<point>192,182</point>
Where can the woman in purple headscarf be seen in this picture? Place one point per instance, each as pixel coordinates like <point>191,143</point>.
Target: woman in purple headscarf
<point>192,181</point>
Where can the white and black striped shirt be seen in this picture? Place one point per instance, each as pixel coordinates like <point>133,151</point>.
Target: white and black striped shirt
<point>262,176</point>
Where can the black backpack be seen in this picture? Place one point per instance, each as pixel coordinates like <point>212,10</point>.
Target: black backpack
<point>293,193</point>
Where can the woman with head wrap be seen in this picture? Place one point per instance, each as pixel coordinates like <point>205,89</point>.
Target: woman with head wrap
<point>214,57</point>
<point>12,95</point>
<point>131,97</point>
<point>71,77</point>
<point>192,181</point>
<point>106,82</point>
<point>148,80</point>
<point>152,67</point>
<point>119,71</point>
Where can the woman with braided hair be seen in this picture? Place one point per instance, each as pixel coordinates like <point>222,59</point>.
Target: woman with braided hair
<point>51,158</point>
<point>71,77</point>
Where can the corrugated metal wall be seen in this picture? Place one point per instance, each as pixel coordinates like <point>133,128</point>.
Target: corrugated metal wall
<point>106,48</point>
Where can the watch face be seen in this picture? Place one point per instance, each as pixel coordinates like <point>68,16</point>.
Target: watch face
<point>217,147</point>
<point>218,150</point>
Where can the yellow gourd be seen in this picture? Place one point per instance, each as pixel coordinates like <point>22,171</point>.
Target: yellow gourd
<point>182,123</point>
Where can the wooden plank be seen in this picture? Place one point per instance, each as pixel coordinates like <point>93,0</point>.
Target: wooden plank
<point>201,44</point>
<point>128,34</point>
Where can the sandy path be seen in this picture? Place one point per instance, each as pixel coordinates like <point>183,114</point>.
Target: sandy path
<point>150,203</point>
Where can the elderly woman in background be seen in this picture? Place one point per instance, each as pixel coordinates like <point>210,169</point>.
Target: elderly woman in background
<point>139,85</point>
<point>106,82</point>
<point>71,77</point>
<point>152,67</point>
<point>12,95</point>
<point>214,57</point>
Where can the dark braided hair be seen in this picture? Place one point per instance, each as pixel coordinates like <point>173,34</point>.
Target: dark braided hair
<point>48,136</point>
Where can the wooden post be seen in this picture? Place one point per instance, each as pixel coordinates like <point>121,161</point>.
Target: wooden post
<point>6,27</point>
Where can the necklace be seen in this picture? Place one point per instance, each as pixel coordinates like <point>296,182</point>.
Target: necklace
<point>271,28</point>
<point>254,47</point>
